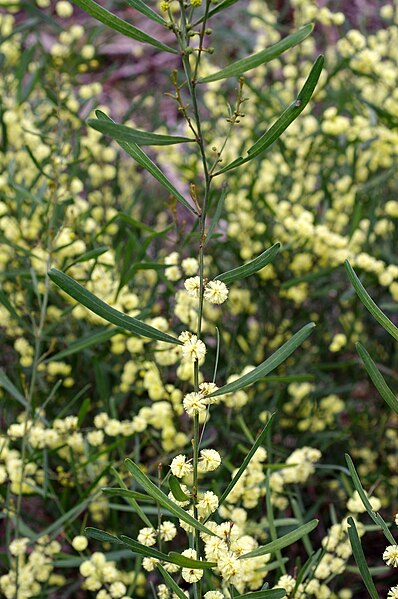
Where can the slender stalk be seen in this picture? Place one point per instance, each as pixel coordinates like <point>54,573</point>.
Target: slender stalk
<point>184,42</point>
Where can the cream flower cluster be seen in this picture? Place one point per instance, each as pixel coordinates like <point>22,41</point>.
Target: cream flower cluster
<point>197,402</point>
<point>35,569</point>
<point>390,556</point>
<point>227,548</point>
<point>166,532</point>
<point>209,460</point>
<point>104,578</point>
<point>193,349</point>
<point>250,487</point>
<point>215,292</point>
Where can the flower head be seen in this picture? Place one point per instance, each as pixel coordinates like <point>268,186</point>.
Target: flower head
<point>192,286</point>
<point>194,403</point>
<point>209,460</point>
<point>147,536</point>
<point>190,266</point>
<point>390,556</point>
<point>180,467</point>
<point>193,348</point>
<point>191,574</point>
<point>216,292</point>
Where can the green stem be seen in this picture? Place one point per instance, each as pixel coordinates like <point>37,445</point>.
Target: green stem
<point>184,42</point>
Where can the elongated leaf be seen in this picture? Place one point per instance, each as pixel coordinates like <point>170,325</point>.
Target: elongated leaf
<point>163,500</point>
<point>217,215</point>
<point>284,541</point>
<point>6,303</point>
<point>140,549</point>
<point>85,343</point>
<point>126,493</point>
<point>141,138</point>
<point>255,60</point>
<point>175,488</point>
<point>220,6</point>
<point>267,594</point>
<point>269,364</point>
<point>114,22</point>
<point>130,499</point>
<point>251,267</point>
<point>93,303</point>
<point>369,303</point>
<point>188,562</point>
<point>69,516</point>
<point>360,558</point>
<point>143,160</point>
<point>95,253</point>
<point>260,439</point>
<point>101,535</point>
<point>377,378</point>
<point>172,557</point>
<point>11,388</point>
<point>286,118</point>
<point>377,519</point>
<point>74,562</point>
<point>170,583</point>
<point>145,10</point>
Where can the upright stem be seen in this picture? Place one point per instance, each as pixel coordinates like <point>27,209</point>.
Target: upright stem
<point>184,41</point>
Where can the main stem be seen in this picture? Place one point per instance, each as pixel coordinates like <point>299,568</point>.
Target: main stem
<point>191,79</point>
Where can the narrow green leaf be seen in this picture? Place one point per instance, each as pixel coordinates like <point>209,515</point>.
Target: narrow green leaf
<point>255,60</point>
<point>69,517</point>
<point>163,500</point>
<point>286,118</point>
<point>188,562</point>
<point>269,364</point>
<point>255,446</point>
<point>175,488</point>
<point>369,303</point>
<point>84,408</point>
<point>126,493</point>
<point>130,135</point>
<point>377,519</point>
<point>143,160</point>
<point>74,562</point>
<point>114,22</point>
<point>101,535</point>
<point>130,499</point>
<point>284,541</point>
<point>360,558</point>
<point>11,388</point>
<point>308,568</point>
<point>170,583</point>
<point>95,253</point>
<point>85,343</point>
<point>267,594</point>
<point>93,303</point>
<point>140,549</point>
<point>148,12</point>
<point>377,378</point>
<point>6,303</point>
<point>246,270</point>
<point>217,215</point>
<point>220,6</point>
<point>172,557</point>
